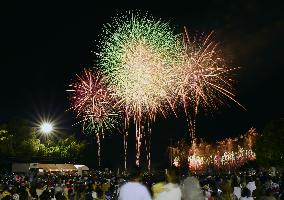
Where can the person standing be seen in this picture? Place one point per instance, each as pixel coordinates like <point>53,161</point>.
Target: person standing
<point>134,190</point>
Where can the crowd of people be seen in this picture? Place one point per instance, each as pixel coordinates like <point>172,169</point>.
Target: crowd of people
<point>138,185</point>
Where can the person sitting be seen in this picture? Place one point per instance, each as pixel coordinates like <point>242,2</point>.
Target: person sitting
<point>45,195</point>
<point>100,194</point>
<point>59,196</point>
<point>171,190</point>
<point>226,188</point>
<point>237,191</point>
<point>268,195</point>
<point>246,194</point>
<point>207,192</point>
<point>158,186</point>
<point>251,184</point>
<point>6,193</point>
<point>24,195</point>
<point>191,189</point>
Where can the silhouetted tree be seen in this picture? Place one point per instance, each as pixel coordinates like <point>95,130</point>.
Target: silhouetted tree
<point>269,147</point>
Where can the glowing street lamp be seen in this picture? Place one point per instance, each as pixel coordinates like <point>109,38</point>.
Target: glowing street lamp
<point>46,128</point>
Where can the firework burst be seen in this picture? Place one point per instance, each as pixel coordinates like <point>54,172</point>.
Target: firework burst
<point>93,103</point>
<point>138,54</point>
<point>203,79</point>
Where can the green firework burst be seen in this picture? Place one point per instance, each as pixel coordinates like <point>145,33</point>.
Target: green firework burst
<point>138,54</point>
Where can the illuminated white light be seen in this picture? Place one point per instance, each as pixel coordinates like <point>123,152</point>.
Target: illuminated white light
<point>46,127</point>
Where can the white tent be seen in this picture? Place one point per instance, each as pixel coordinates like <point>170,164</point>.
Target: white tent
<point>81,169</point>
<point>57,167</point>
<point>25,167</point>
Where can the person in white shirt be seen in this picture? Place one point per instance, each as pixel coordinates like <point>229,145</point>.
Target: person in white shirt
<point>171,190</point>
<point>134,190</point>
<point>237,192</point>
<point>251,185</point>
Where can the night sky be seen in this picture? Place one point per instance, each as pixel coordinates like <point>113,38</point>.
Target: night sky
<point>42,47</point>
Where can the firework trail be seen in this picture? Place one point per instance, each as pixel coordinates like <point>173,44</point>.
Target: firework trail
<point>203,79</point>
<point>137,54</point>
<point>148,145</point>
<point>125,144</point>
<point>93,104</point>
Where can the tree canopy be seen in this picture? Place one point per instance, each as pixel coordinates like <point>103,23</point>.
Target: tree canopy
<point>269,147</point>
<point>19,141</point>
